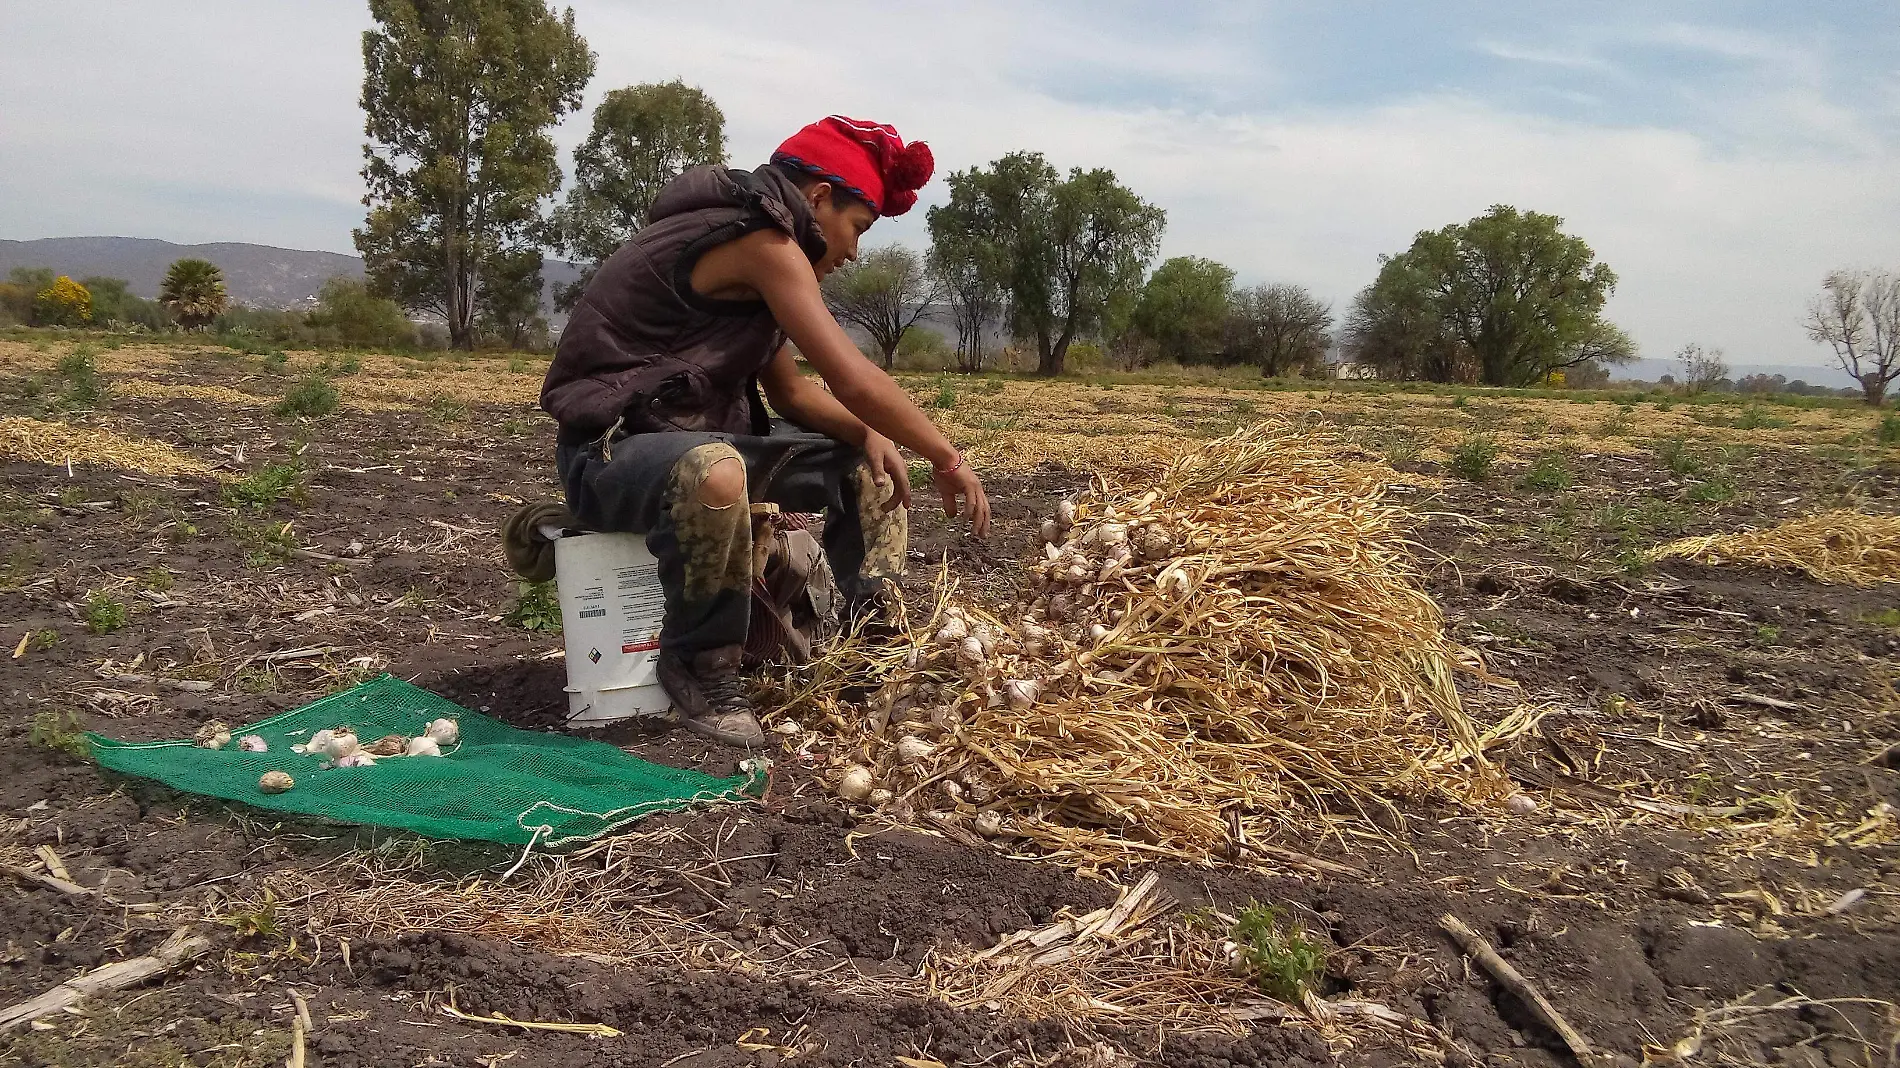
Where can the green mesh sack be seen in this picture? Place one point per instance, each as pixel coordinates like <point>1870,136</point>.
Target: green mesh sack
<point>496,784</point>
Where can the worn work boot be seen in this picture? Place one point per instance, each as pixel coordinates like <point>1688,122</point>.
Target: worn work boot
<point>711,696</point>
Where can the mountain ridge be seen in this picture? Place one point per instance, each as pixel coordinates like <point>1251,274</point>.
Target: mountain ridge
<point>261,276</point>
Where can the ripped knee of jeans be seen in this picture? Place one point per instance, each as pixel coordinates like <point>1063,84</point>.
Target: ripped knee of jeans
<point>714,474</point>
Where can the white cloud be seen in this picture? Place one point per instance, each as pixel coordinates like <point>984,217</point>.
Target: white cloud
<point>238,122</point>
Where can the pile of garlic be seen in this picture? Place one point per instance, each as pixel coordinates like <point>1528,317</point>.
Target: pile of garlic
<point>341,746</point>
<point>1005,667</point>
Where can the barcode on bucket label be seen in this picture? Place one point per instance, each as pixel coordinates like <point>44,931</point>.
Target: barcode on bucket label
<point>593,613</point>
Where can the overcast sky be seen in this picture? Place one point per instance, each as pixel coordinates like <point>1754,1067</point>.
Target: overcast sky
<point>1721,157</point>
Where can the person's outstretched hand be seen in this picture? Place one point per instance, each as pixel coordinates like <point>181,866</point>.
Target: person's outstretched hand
<point>962,482</point>
<point>888,469</point>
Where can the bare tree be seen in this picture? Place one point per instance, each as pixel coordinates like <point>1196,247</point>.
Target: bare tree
<point>975,301</point>
<point>1278,328</point>
<point>884,294</point>
<point>1701,368</point>
<point>1858,314</point>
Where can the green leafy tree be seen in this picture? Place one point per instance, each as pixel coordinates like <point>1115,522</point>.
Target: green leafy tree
<point>1506,298</point>
<point>1279,328</point>
<point>643,137</point>
<point>17,293</point>
<point>458,99</point>
<point>113,302</point>
<point>347,313</point>
<point>883,294</point>
<point>1067,251</point>
<point>1183,308</point>
<point>193,291</point>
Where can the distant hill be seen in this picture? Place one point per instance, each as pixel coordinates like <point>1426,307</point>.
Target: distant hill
<point>258,275</point>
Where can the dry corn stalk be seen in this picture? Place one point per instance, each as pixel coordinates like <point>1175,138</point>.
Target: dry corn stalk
<point>1235,647</point>
<point>1843,546</point>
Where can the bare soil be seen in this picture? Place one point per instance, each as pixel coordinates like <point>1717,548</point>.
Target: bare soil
<point>1646,676</point>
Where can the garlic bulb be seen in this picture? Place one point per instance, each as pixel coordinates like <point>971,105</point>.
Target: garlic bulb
<point>341,743</point>
<point>1154,542</point>
<point>1110,568</point>
<point>856,784</point>
<point>1049,530</point>
<point>881,797</point>
<point>1061,607</point>
<point>786,726</point>
<point>275,782</point>
<point>251,743</point>
<point>1096,633</point>
<point>971,651</point>
<point>388,745</point>
<point>422,745</point>
<point>1065,514</point>
<point>213,735</point>
<point>1110,535</point>
<point>1522,804</point>
<point>317,744</point>
<point>1022,693</point>
<point>988,823</point>
<point>914,750</point>
<point>1076,574</point>
<point>952,790</point>
<point>444,731</point>
<point>217,741</point>
<point>1050,552</point>
<point>356,759</point>
<point>954,630</point>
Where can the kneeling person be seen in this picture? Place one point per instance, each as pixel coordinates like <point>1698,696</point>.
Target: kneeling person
<point>656,386</point>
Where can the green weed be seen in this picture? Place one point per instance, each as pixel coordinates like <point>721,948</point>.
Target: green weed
<point>1715,489</point>
<point>265,544</point>
<point>1889,432</point>
<point>80,387</point>
<point>1754,418</point>
<point>946,397</point>
<point>313,397</point>
<point>537,608</point>
<point>340,367</point>
<point>1674,454</point>
<point>158,580</point>
<point>104,613</point>
<point>266,486</point>
<point>1550,474</point>
<point>447,409</point>
<point>257,921</point>
<point>1473,457</point>
<point>1276,955</point>
<point>1886,617</point>
<point>59,729</point>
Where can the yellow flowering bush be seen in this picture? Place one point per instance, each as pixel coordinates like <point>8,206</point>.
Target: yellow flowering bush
<point>64,303</point>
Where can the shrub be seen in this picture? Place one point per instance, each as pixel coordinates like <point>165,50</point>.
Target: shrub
<point>946,397</point>
<point>64,303</point>
<point>1473,457</point>
<point>1889,432</point>
<point>312,398</point>
<point>1754,418</point>
<point>924,350</point>
<point>348,314</point>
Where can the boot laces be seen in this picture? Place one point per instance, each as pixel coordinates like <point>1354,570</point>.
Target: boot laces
<point>724,691</point>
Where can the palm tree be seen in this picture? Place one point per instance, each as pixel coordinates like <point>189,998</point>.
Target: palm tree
<point>194,291</point>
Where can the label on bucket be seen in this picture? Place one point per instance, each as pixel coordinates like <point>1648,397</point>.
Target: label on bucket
<point>612,607</point>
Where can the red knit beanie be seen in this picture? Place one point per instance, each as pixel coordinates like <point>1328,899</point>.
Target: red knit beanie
<point>867,159</point>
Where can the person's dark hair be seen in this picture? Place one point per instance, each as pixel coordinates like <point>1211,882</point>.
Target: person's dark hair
<point>804,177</point>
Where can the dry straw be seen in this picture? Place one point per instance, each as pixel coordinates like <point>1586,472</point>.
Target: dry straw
<point>1230,652</point>
<point>1844,546</point>
<point>64,443</point>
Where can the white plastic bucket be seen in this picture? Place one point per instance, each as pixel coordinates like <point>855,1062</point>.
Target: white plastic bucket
<point>611,609</point>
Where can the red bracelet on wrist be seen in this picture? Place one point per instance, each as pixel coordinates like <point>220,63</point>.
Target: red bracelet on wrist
<point>952,469</point>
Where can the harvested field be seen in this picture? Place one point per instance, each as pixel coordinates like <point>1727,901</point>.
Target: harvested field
<point>1663,791</point>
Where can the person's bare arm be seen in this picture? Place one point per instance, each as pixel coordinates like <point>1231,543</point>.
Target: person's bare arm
<point>772,265</point>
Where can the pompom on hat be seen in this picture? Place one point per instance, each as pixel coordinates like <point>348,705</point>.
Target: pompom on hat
<point>868,159</point>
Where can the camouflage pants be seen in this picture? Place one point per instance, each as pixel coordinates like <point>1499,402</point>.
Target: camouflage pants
<point>650,484</point>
